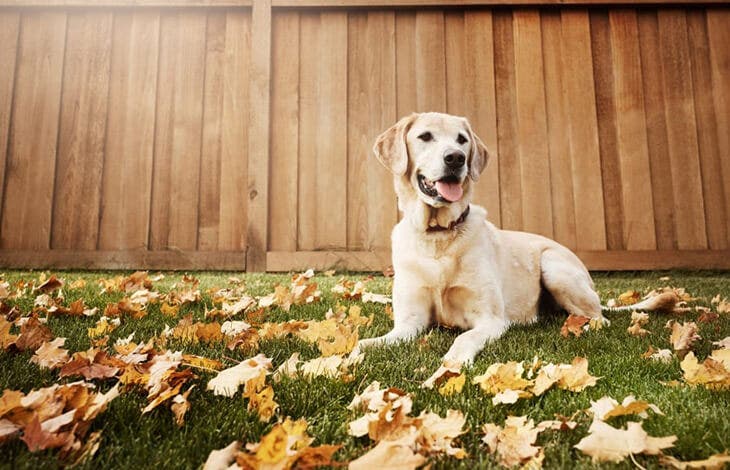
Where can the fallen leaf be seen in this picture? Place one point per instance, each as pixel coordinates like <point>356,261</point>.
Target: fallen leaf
<point>91,364</point>
<point>32,335</point>
<point>606,407</point>
<point>605,443</point>
<point>391,455</point>
<point>228,381</point>
<point>574,324</point>
<point>660,355</point>
<point>713,372</point>
<point>514,443</point>
<point>180,406</point>
<point>453,385</point>
<point>50,355</point>
<point>638,321</point>
<point>36,438</point>
<point>683,336</point>
<point>629,297</point>
<point>222,459</point>
<point>723,343</point>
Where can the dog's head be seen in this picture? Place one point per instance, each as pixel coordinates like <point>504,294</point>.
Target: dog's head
<point>435,155</point>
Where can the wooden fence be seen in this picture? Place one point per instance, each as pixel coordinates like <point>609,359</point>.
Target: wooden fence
<point>225,134</point>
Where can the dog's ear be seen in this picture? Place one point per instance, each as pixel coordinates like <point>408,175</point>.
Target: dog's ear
<point>390,147</point>
<point>479,155</point>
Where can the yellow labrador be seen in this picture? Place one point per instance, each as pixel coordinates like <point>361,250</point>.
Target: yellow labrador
<point>451,265</point>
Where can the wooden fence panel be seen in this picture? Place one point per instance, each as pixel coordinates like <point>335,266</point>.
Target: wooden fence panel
<point>154,134</point>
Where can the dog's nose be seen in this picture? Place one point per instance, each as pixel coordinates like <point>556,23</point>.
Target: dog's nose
<point>455,160</point>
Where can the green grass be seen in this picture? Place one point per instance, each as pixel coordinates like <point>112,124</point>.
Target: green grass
<point>699,417</point>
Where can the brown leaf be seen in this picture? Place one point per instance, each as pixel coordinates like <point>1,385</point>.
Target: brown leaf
<point>574,324</point>
<point>37,439</point>
<point>682,336</point>
<point>33,334</point>
<point>6,339</point>
<point>50,285</point>
<point>50,355</point>
<point>713,462</point>
<point>514,444</point>
<point>91,364</point>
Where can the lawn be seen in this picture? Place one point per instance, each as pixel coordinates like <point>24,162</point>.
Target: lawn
<point>699,417</point>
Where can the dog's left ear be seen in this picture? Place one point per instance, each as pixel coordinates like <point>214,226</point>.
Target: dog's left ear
<point>390,147</point>
<point>479,155</point>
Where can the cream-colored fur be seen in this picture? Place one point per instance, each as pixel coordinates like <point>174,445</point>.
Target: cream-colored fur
<point>475,276</point>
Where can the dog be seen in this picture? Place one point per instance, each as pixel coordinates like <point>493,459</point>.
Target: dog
<point>453,267</point>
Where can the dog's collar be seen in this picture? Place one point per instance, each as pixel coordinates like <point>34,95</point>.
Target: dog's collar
<point>452,225</point>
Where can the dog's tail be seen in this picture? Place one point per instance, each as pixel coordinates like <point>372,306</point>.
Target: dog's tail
<point>664,302</point>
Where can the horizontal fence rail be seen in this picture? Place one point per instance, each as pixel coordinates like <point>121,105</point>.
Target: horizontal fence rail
<point>236,134</point>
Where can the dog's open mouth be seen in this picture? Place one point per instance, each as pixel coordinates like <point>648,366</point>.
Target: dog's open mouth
<point>446,189</point>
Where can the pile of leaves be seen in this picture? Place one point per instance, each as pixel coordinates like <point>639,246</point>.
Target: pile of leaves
<point>188,360</point>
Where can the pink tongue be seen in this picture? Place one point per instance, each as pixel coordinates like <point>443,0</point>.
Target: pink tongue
<point>452,192</point>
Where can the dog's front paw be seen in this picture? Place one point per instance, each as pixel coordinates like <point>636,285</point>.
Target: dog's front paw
<point>597,324</point>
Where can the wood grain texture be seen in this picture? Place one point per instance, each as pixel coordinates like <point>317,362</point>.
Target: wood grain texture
<point>9,31</point>
<point>259,136</point>
<point>430,63</point>
<point>607,133</point>
<point>80,162</point>
<point>681,130</point>
<point>638,222</point>
<point>556,103</point>
<point>510,185</point>
<point>284,132</point>
<point>480,102</point>
<point>31,160</point>
<point>713,194</point>
<point>371,203</point>
<point>235,151</point>
<point>211,148</point>
<point>581,97</point>
<point>331,158</point>
<point>532,142</point>
<point>178,132</point>
<point>405,44</point>
<point>127,175</point>
<point>719,37</point>
<point>656,132</point>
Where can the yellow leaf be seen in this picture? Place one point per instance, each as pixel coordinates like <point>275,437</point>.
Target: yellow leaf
<point>453,385</point>
<point>605,443</point>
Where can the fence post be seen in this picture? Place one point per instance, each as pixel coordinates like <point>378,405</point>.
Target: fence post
<point>258,137</point>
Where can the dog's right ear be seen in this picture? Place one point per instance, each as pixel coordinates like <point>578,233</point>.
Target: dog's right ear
<point>390,147</point>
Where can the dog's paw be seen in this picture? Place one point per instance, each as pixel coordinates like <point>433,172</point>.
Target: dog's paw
<point>597,324</point>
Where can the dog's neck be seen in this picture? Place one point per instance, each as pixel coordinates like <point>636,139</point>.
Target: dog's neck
<point>434,226</point>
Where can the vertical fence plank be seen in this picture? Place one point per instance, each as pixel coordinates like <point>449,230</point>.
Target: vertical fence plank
<point>127,175</point>
<point>709,152</point>
<point>178,130</point>
<point>532,123</point>
<point>212,142</point>
<point>76,202</point>
<point>371,211</point>
<point>656,132</point>
<point>430,61</point>
<point>455,62</point>
<point>556,102</point>
<point>31,161</point>
<point>681,130</point>
<point>607,133</point>
<point>510,186</point>
<point>480,102</point>
<point>638,222</point>
<point>331,163</point>
<point>9,30</point>
<point>405,43</point>
<point>581,97</point>
<point>258,139</point>
<point>719,37</point>
<point>235,208</point>
<point>308,112</point>
<point>284,132</point>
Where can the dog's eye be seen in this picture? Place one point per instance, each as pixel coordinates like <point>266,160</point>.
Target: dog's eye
<point>426,137</point>
<point>461,139</point>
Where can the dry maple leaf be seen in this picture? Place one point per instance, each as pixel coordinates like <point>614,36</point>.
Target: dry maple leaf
<point>228,381</point>
<point>713,462</point>
<point>222,459</point>
<point>91,364</point>
<point>503,377</point>
<point>713,372</point>
<point>638,321</point>
<point>180,406</point>
<point>260,397</point>
<point>514,444</point>
<point>574,324</point>
<point>104,326</point>
<point>723,343</point>
<point>605,443</point>
<point>33,334</point>
<point>36,438</point>
<point>393,455</point>
<point>53,283</point>
<point>659,355</point>
<point>445,372</point>
<point>682,336</point>
<point>6,339</point>
<point>453,385</point>
<point>606,407</point>
<point>50,355</point>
